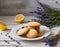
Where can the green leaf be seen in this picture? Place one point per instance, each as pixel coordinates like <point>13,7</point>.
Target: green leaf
<point>56,14</point>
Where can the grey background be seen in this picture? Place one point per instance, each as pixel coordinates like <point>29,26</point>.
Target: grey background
<point>13,7</point>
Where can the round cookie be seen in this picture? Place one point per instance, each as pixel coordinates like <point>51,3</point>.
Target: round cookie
<point>29,27</point>
<point>34,24</point>
<point>40,34</point>
<point>22,31</point>
<point>32,33</point>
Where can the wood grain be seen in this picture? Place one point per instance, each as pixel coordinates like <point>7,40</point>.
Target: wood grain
<point>12,7</point>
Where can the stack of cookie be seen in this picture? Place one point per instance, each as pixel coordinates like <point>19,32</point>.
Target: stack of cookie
<point>31,31</point>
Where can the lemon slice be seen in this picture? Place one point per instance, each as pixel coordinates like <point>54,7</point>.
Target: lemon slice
<point>19,18</point>
<point>2,26</point>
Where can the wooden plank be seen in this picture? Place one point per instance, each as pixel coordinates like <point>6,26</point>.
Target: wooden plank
<point>10,19</point>
<point>13,7</point>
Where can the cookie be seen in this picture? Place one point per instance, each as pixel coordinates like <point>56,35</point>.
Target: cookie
<point>40,34</point>
<point>34,24</point>
<point>59,32</point>
<point>32,33</point>
<point>22,31</point>
<point>29,27</point>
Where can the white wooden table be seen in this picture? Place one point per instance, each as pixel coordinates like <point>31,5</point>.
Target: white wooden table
<point>9,20</point>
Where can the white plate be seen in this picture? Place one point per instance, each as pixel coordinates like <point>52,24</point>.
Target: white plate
<point>42,28</point>
<point>55,30</point>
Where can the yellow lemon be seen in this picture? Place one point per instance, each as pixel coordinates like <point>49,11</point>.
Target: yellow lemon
<point>2,26</point>
<point>19,18</point>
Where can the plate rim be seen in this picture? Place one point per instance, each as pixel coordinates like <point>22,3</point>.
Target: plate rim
<point>52,29</point>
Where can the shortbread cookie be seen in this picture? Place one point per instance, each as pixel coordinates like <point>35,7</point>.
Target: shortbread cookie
<point>34,24</point>
<point>22,31</point>
<point>32,33</point>
<point>29,27</point>
<point>40,34</point>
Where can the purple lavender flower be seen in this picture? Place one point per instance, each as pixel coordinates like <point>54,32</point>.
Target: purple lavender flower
<point>43,16</point>
<point>51,41</point>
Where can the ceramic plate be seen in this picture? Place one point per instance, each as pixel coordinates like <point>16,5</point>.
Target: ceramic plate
<point>43,28</point>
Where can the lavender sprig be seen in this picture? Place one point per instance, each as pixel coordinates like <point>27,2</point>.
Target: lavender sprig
<point>6,41</point>
<point>13,39</point>
<point>41,14</point>
<point>46,16</point>
<point>52,41</point>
